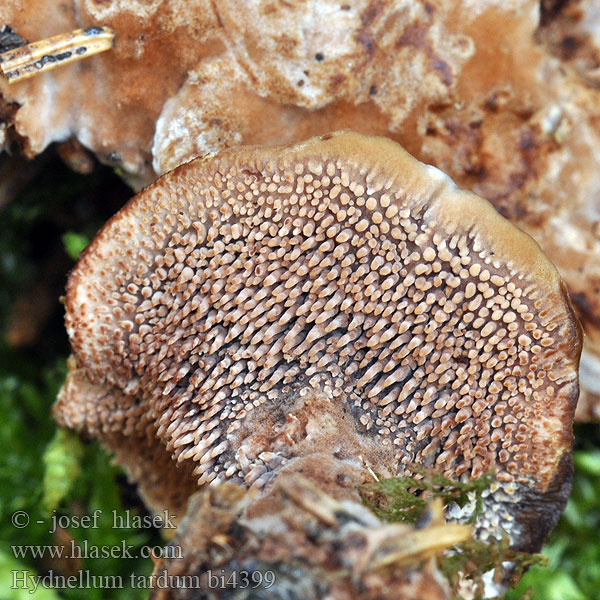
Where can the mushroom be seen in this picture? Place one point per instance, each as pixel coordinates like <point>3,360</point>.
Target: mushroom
<point>321,308</point>
<point>186,78</point>
<point>521,131</point>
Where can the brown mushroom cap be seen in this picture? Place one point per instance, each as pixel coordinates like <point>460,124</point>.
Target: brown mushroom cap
<point>340,263</point>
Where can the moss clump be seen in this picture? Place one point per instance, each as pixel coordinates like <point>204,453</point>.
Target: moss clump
<point>573,548</point>
<point>74,243</point>
<point>62,462</point>
<point>406,499</point>
<point>472,559</point>
<point>403,499</point>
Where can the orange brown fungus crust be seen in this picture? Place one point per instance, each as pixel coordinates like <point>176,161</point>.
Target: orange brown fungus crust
<point>345,265</point>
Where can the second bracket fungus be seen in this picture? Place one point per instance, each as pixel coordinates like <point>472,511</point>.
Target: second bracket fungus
<point>320,307</point>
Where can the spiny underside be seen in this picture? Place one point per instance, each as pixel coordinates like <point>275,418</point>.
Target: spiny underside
<point>340,264</point>
<point>520,131</point>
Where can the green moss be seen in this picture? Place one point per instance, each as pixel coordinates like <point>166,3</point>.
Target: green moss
<point>8,591</point>
<point>75,243</point>
<point>404,498</point>
<point>573,548</point>
<point>72,479</point>
<point>475,558</point>
<point>62,467</point>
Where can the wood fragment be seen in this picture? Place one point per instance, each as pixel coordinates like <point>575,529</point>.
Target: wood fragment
<point>29,60</point>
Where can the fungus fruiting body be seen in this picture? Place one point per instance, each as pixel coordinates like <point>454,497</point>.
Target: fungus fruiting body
<point>190,77</point>
<point>317,308</point>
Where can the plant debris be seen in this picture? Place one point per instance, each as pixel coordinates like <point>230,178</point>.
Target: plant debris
<point>409,499</point>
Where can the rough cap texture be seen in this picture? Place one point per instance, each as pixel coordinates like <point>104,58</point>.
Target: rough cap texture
<point>341,265</point>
